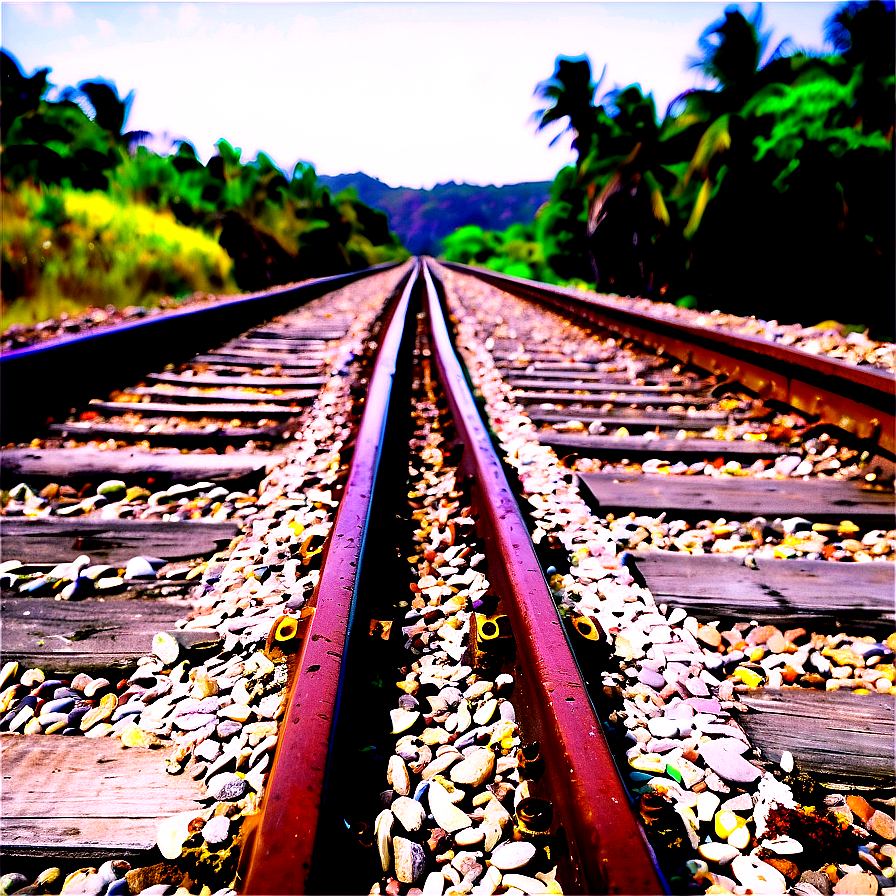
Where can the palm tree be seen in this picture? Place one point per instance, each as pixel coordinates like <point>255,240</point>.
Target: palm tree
<point>570,94</point>
<point>863,34</point>
<point>733,55</point>
<point>615,183</point>
<point>627,214</point>
<point>20,95</point>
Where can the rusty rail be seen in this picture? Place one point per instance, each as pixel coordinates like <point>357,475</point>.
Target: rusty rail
<point>858,400</point>
<point>608,851</point>
<point>278,858</point>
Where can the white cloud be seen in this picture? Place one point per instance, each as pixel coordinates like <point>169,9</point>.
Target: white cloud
<point>106,29</point>
<point>187,17</point>
<point>51,14</point>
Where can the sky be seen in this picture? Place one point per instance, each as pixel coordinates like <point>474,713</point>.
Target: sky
<point>413,93</point>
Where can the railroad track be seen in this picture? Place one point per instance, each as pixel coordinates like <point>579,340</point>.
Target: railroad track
<point>389,548</point>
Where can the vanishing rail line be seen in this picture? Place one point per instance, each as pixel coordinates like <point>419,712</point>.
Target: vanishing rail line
<point>290,853</point>
<point>859,400</point>
<point>522,750</point>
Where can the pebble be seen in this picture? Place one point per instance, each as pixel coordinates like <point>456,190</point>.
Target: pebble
<point>217,829</point>
<point>227,787</point>
<point>513,855</point>
<point>139,568</point>
<point>707,803</point>
<point>227,729</point>
<point>651,678</point>
<point>882,825</point>
<point>758,876</point>
<point>440,764</point>
<point>165,647</point>
<point>403,720</point>
<point>783,846</point>
<point>446,814</point>
<point>663,727</point>
<point>524,884</point>
<point>410,813</point>
<point>382,829</point>
<point>857,882</point>
<point>397,776</point>
<point>483,715</point>
<point>238,712</point>
<point>469,837</point>
<point>720,853</point>
<point>819,880</point>
<point>475,769</point>
<point>726,763</point>
<point>410,860</point>
<point>10,883</point>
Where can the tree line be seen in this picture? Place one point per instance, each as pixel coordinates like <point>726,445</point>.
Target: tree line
<point>769,192</point>
<point>78,190</point>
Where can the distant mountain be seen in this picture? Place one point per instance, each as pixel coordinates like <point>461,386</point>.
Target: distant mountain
<point>422,218</point>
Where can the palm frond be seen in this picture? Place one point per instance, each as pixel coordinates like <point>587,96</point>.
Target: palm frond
<point>715,140</point>
<point>699,208</point>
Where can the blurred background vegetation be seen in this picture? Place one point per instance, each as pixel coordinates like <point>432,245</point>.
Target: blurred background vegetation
<point>91,216</point>
<point>768,193</point>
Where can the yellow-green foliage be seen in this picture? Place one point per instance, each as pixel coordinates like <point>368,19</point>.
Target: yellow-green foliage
<point>69,249</point>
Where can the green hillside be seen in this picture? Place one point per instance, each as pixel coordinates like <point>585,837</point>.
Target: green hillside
<point>423,218</point>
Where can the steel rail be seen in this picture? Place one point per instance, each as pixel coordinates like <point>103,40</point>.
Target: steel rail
<point>859,400</point>
<point>607,845</point>
<point>278,854</point>
<point>48,379</point>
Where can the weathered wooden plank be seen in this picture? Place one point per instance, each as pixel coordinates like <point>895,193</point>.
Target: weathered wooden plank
<point>158,432</point>
<point>84,636</point>
<point>839,736</point>
<point>57,539</point>
<point>742,497</point>
<point>223,410</point>
<point>526,365</point>
<point>637,447</point>
<point>585,394</point>
<point>63,464</point>
<point>325,333</point>
<point>249,382</point>
<point>267,355</point>
<point>814,594</point>
<point>637,421</point>
<point>526,358</point>
<point>242,362</point>
<point>192,394</point>
<point>68,796</point>
<point>579,380</point>
<point>704,419</point>
<point>550,362</point>
<point>279,344</point>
